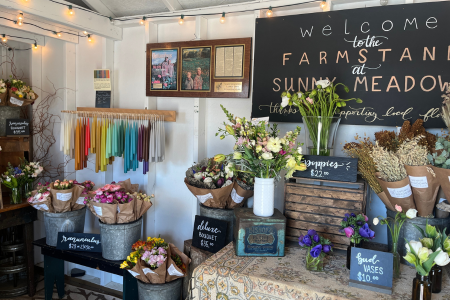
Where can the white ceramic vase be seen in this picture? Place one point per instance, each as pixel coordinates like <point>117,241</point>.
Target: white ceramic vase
<point>263,197</point>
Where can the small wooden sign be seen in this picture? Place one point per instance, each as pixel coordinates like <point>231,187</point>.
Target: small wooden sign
<point>103,99</point>
<point>79,242</point>
<point>17,127</point>
<point>330,168</point>
<point>371,270</point>
<point>209,234</point>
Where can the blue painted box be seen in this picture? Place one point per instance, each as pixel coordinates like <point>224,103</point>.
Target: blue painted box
<point>259,236</point>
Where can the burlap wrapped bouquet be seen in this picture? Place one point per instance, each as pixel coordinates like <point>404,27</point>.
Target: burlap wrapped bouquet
<point>41,198</point>
<point>209,183</point>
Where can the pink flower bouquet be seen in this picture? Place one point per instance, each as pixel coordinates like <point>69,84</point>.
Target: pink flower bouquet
<point>155,264</point>
<point>41,198</point>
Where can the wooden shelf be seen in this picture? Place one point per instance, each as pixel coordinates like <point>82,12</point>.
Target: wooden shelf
<point>8,206</point>
<point>169,115</point>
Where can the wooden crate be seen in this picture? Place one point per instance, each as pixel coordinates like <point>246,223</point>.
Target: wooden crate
<point>321,205</point>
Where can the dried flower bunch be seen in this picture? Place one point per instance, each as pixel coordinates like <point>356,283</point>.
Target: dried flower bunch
<point>387,140</point>
<point>366,165</point>
<point>408,131</point>
<point>411,153</point>
<point>388,164</point>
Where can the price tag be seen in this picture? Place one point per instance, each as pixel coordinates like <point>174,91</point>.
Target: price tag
<point>236,198</point>
<point>148,270</point>
<point>80,201</point>
<point>64,196</point>
<point>420,182</point>
<point>16,101</point>
<point>98,210</point>
<point>173,271</point>
<point>402,192</point>
<point>203,198</point>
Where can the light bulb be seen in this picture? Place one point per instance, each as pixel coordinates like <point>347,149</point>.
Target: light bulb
<point>35,45</point>
<point>19,23</point>
<point>222,19</point>
<point>384,2</point>
<point>269,13</point>
<point>181,20</point>
<point>142,21</point>
<point>85,32</point>
<point>20,16</point>
<point>71,12</point>
<point>323,5</point>
<point>59,34</point>
<point>4,38</point>
<point>89,38</point>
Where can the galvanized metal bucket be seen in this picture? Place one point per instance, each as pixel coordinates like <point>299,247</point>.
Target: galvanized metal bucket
<point>117,239</point>
<point>409,232</point>
<point>220,214</point>
<point>164,291</point>
<point>71,221</point>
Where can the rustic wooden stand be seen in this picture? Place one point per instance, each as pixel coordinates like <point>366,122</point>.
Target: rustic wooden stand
<point>321,205</point>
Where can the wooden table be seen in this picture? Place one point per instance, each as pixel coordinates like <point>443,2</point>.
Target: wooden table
<point>54,269</point>
<point>16,215</point>
<point>227,276</point>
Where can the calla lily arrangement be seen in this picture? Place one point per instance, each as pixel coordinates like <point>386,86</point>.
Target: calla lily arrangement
<point>356,228</point>
<point>258,149</point>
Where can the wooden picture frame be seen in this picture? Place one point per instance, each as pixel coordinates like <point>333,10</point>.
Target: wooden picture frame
<point>158,57</point>
<point>191,68</point>
<point>220,86</point>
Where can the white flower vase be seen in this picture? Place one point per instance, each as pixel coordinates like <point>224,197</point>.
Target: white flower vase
<point>263,197</point>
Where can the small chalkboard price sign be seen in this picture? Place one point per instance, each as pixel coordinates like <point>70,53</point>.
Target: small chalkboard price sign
<point>329,168</point>
<point>371,270</point>
<point>79,242</point>
<point>103,99</point>
<point>17,127</point>
<point>209,234</point>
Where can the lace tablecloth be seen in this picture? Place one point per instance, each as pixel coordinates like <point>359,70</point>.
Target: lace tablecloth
<point>226,276</point>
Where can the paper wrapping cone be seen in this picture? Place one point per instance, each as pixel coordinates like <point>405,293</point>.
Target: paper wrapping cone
<point>14,100</point>
<point>238,196</point>
<point>78,198</point>
<point>45,205</point>
<point>173,272</point>
<point>216,198</point>
<point>107,213</point>
<point>386,201</point>
<point>398,193</point>
<point>129,188</point>
<point>425,187</point>
<point>145,206</point>
<point>443,178</point>
<point>137,272</point>
<point>3,102</point>
<point>61,199</point>
<point>125,212</point>
<point>155,276</point>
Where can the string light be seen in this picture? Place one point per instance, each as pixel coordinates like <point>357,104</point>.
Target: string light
<point>222,19</point>
<point>20,16</point>
<point>269,13</point>
<point>35,45</point>
<point>323,5</point>
<point>89,38</point>
<point>18,23</point>
<point>181,20</point>
<point>4,38</point>
<point>71,12</point>
<point>59,34</point>
<point>142,21</point>
<point>85,32</point>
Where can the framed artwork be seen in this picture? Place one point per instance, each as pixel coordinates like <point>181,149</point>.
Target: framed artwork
<point>199,69</point>
<point>196,69</point>
<point>229,61</point>
<point>164,69</point>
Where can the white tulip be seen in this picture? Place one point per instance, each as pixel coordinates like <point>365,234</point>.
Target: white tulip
<point>376,221</point>
<point>284,101</point>
<point>323,83</point>
<point>442,259</point>
<point>411,213</point>
<point>415,245</point>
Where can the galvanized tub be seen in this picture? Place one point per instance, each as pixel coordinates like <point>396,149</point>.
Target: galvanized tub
<point>409,232</point>
<point>164,291</point>
<point>71,221</point>
<point>7,112</point>
<point>220,214</point>
<point>117,239</point>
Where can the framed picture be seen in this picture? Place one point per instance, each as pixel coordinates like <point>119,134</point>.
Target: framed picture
<point>196,69</point>
<point>229,61</point>
<point>164,69</point>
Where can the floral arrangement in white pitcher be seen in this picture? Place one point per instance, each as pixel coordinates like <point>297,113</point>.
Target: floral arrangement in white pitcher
<point>260,153</point>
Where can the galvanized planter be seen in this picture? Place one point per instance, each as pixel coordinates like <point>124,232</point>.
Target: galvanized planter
<point>409,232</point>
<point>164,291</point>
<point>220,214</point>
<point>71,221</point>
<point>117,239</point>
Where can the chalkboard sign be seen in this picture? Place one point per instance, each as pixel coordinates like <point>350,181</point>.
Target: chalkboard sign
<point>209,233</point>
<point>79,242</point>
<point>371,270</point>
<point>17,127</point>
<point>330,168</point>
<point>103,99</point>
<point>369,49</point>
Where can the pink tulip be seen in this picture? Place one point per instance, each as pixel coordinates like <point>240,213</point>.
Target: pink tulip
<point>365,218</point>
<point>398,208</point>
<point>349,231</point>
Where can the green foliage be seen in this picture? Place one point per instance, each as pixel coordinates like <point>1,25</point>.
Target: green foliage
<point>441,160</point>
